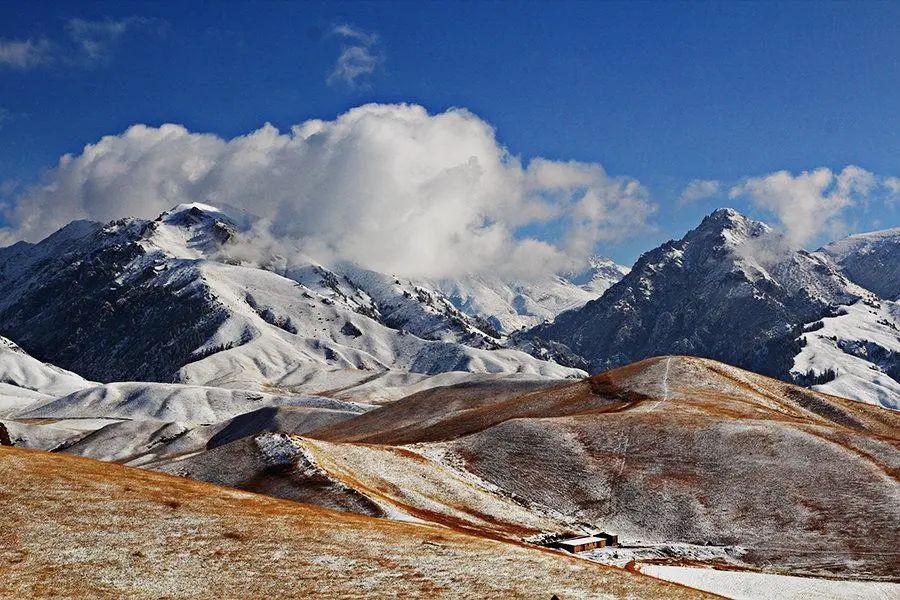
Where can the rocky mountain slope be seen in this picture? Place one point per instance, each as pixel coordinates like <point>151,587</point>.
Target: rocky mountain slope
<point>164,301</point>
<point>729,290</point>
<point>870,259</point>
<point>107,531</point>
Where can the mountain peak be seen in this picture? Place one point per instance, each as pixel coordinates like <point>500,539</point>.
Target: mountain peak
<point>731,225</point>
<point>192,211</point>
<point>192,230</point>
<point>726,211</point>
<point>726,217</point>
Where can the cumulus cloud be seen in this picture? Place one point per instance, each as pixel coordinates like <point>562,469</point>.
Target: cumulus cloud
<point>596,206</point>
<point>85,44</point>
<point>360,56</point>
<point>24,54</point>
<point>811,203</point>
<point>698,189</point>
<point>893,186</point>
<point>390,187</point>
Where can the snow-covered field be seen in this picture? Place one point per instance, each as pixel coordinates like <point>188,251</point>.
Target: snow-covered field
<point>635,551</point>
<point>746,585</point>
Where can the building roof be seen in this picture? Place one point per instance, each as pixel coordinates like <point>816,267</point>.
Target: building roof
<point>580,541</point>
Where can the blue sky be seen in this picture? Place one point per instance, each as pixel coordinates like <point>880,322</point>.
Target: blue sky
<point>664,93</point>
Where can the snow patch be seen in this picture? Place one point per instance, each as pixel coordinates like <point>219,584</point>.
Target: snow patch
<point>746,585</point>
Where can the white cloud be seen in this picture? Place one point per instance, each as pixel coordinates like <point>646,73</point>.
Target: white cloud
<point>24,54</point>
<point>360,56</point>
<point>387,186</point>
<point>893,186</point>
<point>597,207</point>
<point>811,203</point>
<point>698,189</point>
<point>86,44</point>
<point>352,33</point>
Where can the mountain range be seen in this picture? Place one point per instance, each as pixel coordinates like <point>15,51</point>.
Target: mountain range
<point>174,300</point>
<point>870,259</point>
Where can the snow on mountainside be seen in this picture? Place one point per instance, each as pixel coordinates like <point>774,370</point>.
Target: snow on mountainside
<point>158,301</point>
<point>854,354</point>
<point>870,259</point>
<point>285,335</point>
<point>169,402</point>
<point>24,380</point>
<point>728,290</point>
<point>511,304</point>
<point>398,303</point>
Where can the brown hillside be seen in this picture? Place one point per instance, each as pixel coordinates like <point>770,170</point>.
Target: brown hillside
<point>676,385</point>
<point>78,528</point>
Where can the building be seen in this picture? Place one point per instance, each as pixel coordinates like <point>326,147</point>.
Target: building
<point>590,540</point>
<point>580,544</point>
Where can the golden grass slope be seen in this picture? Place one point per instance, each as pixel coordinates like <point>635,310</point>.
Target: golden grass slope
<point>78,528</point>
<point>672,384</point>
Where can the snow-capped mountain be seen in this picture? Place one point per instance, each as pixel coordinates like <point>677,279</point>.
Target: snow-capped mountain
<point>728,290</point>
<point>870,259</point>
<point>512,304</point>
<point>162,301</point>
